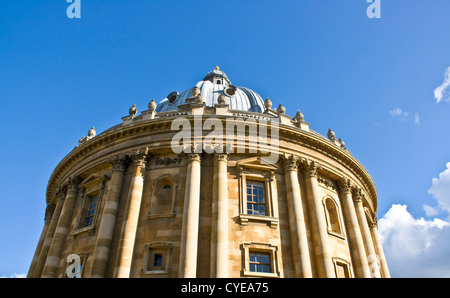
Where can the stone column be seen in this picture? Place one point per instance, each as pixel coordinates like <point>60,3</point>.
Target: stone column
<point>108,217</point>
<point>367,238</point>
<point>129,227</point>
<point>62,229</point>
<point>325,267</point>
<point>47,220</point>
<point>189,229</point>
<point>302,262</point>
<point>354,233</point>
<point>219,228</point>
<point>379,248</point>
<point>60,194</point>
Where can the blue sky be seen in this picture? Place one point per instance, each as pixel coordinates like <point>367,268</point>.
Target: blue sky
<point>370,80</point>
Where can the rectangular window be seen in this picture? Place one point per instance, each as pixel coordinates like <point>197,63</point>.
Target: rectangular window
<point>342,270</point>
<point>256,199</point>
<point>89,219</point>
<point>260,262</point>
<point>157,262</point>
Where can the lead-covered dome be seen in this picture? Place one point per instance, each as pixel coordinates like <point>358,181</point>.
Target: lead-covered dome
<point>211,87</point>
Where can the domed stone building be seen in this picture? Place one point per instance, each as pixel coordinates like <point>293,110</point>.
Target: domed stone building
<point>211,182</point>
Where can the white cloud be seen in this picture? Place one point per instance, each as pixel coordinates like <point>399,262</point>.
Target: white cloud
<point>415,247</point>
<point>419,247</point>
<point>15,275</point>
<point>431,211</point>
<point>442,93</point>
<point>416,119</point>
<point>440,189</point>
<point>399,114</point>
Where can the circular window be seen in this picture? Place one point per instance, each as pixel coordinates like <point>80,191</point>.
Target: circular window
<point>230,90</point>
<point>172,96</point>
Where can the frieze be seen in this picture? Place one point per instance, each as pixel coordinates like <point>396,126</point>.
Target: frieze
<point>328,183</point>
<point>167,161</point>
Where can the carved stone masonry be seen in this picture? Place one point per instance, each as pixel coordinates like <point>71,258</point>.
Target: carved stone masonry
<point>290,162</point>
<point>49,211</point>
<point>310,168</point>
<point>61,192</point>
<point>374,223</point>
<point>167,161</point>
<point>345,185</point>
<point>119,162</point>
<point>358,194</point>
<point>139,156</point>
<point>221,156</point>
<point>72,183</point>
<point>194,157</point>
<point>327,182</point>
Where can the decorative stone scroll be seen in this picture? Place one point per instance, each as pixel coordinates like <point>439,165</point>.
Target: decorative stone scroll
<point>328,183</point>
<point>167,161</point>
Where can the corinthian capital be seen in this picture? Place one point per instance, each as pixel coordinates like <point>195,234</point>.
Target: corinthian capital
<point>119,162</point>
<point>72,183</point>
<point>358,194</point>
<point>221,156</point>
<point>345,185</point>
<point>49,212</point>
<point>194,157</point>
<point>61,192</point>
<point>310,167</point>
<point>289,162</point>
<point>139,156</point>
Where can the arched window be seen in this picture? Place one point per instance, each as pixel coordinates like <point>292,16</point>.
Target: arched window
<point>333,218</point>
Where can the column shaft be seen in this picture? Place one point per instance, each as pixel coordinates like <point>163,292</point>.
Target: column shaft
<point>49,235</point>
<point>219,228</point>
<point>129,227</point>
<point>367,238</point>
<point>325,267</point>
<point>189,230</point>
<point>354,233</point>
<point>108,218</point>
<point>379,248</point>
<point>300,250</point>
<point>62,230</point>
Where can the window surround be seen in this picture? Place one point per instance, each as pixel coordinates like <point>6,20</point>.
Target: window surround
<point>155,184</point>
<point>271,249</point>
<point>262,173</point>
<point>163,248</point>
<point>93,185</point>
<point>344,263</point>
<point>340,234</point>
